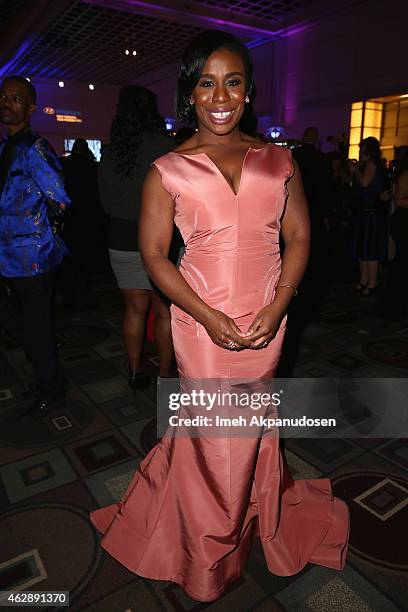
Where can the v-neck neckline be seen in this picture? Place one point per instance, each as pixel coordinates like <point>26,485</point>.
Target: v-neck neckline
<point>212,162</point>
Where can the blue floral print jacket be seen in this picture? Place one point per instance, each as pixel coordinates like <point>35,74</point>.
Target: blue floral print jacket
<point>32,204</point>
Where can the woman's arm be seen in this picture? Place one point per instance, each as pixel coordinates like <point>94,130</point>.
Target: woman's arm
<point>366,175</point>
<point>401,191</point>
<point>296,234</point>
<point>155,234</point>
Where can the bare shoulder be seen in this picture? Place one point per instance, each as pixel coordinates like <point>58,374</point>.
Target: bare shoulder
<point>156,192</point>
<point>153,178</point>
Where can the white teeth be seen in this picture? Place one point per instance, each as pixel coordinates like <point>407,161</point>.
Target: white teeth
<point>222,115</point>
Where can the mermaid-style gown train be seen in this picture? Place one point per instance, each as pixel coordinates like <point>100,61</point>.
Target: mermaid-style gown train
<point>195,504</point>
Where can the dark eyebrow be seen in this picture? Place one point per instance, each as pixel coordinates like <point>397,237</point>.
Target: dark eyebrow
<point>228,75</point>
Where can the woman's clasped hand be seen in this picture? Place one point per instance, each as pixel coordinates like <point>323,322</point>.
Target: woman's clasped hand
<point>224,332</point>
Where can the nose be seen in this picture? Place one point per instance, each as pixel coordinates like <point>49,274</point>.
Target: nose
<point>220,94</point>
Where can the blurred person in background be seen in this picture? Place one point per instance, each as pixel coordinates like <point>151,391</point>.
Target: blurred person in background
<point>395,296</point>
<point>137,139</point>
<point>316,177</point>
<point>83,227</point>
<point>32,207</point>
<point>317,184</point>
<point>369,222</point>
<point>340,217</point>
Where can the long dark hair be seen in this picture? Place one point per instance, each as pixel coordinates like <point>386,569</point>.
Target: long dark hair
<point>194,57</point>
<point>136,113</point>
<point>372,147</point>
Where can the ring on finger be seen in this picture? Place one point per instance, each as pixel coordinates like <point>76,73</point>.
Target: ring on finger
<point>231,344</point>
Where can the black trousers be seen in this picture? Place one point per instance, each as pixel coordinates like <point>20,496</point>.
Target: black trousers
<point>28,317</point>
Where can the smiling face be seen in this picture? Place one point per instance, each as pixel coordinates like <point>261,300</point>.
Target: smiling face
<point>16,105</point>
<point>219,95</point>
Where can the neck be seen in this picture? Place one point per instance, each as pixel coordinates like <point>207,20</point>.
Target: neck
<point>14,129</point>
<point>205,137</point>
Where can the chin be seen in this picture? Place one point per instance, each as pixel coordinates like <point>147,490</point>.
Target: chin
<point>222,130</point>
<point>6,120</point>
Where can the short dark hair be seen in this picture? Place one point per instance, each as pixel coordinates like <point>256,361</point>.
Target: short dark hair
<point>80,146</point>
<point>194,57</point>
<point>29,86</point>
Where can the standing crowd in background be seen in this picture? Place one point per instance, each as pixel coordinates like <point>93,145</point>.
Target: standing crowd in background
<point>85,215</point>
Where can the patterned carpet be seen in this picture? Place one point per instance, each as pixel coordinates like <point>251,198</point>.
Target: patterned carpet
<point>53,471</point>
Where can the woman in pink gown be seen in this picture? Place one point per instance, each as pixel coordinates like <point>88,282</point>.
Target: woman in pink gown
<point>195,503</point>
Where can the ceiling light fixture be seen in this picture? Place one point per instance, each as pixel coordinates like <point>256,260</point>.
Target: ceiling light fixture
<point>169,123</point>
<point>91,86</point>
<point>134,52</point>
<point>61,83</point>
<point>127,52</point>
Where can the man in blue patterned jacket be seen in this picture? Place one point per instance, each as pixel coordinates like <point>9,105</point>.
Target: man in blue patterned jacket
<point>32,204</point>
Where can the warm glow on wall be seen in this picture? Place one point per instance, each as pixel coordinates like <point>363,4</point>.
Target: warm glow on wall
<point>356,118</point>
<point>370,131</point>
<point>365,120</point>
<point>355,135</point>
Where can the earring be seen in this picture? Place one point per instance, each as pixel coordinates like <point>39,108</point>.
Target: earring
<point>191,101</point>
<point>247,98</point>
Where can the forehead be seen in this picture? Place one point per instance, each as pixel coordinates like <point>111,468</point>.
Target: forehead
<point>14,87</point>
<point>223,60</point>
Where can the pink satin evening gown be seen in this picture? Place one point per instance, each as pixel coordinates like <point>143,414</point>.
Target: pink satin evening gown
<point>195,504</point>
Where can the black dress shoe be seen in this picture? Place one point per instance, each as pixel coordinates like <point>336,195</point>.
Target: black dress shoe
<point>138,381</point>
<point>359,288</point>
<point>42,408</point>
<point>157,378</point>
<point>368,291</point>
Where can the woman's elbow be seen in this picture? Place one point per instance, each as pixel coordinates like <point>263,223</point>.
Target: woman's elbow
<point>299,233</point>
<point>146,256</point>
<point>298,241</point>
<point>151,255</point>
